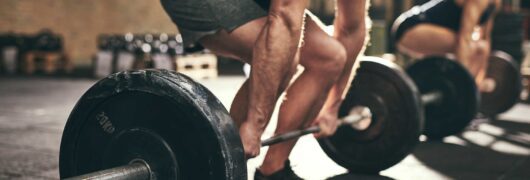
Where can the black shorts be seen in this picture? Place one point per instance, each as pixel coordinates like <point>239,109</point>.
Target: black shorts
<point>405,22</point>
<point>198,18</point>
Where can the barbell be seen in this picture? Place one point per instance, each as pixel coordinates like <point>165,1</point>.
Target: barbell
<point>163,125</point>
<point>159,124</point>
<point>139,169</point>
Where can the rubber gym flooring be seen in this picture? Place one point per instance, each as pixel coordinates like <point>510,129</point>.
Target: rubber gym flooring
<point>33,112</point>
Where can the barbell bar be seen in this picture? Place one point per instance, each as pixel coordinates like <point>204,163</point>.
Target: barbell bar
<point>136,170</point>
<point>347,120</point>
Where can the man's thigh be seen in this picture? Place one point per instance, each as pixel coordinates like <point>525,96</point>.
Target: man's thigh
<point>237,44</point>
<point>428,39</point>
<point>196,19</point>
<point>318,46</point>
<point>240,42</point>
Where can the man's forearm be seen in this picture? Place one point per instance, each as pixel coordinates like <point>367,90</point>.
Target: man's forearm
<point>273,57</point>
<point>350,30</point>
<point>354,43</point>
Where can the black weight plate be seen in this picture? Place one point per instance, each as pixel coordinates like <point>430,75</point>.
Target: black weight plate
<point>396,119</point>
<point>460,95</point>
<point>508,84</point>
<point>514,38</point>
<point>166,119</point>
<point>513,50</point>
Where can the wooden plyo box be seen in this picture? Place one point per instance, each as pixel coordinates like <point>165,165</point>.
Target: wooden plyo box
<point>52,61</point>
<point>197,66</point>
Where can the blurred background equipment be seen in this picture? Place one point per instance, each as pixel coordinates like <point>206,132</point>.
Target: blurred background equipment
<point>9,54</point>
<point>42,52</point>
<point>45,52</point>
<point>77,36</point>
<point>508,34</point>
<point>121,52</point>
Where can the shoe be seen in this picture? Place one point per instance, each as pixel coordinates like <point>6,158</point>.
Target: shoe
<point>284,174</point>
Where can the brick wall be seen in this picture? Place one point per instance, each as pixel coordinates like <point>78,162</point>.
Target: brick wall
<point>80,21</point>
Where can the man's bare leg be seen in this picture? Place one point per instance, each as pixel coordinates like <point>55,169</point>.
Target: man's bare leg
<point>237,45</point>
<point>273,53</point>
<point>413,41</point>
<point>272,57</point>
<point>323,59</point>
<point>239,107</point>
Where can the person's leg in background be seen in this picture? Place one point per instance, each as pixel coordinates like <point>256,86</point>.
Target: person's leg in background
<point>431,40</point>
<point>427,39</point>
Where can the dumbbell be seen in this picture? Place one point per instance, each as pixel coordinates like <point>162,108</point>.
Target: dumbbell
<point>144,43</point>
<point>160,45</point>
<point>502,85</point>
<point>163,125</point>
<point>129,42</point>
<point>103,42</point>
<point>449,95</point>
<point>175,47</point>
<point>117,43</point>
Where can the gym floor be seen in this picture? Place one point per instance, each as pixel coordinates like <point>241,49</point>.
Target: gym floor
<point>33,112</point>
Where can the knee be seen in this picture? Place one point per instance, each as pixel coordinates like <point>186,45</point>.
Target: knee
<point>336,60</point>
<point>329,60</point>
